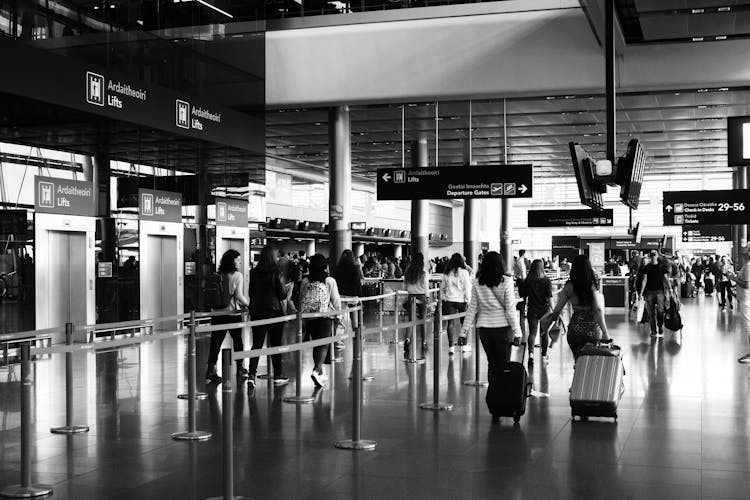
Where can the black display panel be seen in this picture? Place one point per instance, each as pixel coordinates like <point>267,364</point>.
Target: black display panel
<point>589,191</point>
<point>706,208</point>
<point>738,140</point>
<point>630,170</point>
<point>570,218</point>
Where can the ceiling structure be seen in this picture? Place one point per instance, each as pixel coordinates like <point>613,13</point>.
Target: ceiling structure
<point>682,131</point>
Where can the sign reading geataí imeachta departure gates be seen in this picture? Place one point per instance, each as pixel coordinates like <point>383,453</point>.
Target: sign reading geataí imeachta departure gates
<point>163,206</point>
<point>231,212</point>
<point>63,196</point>
<point>447,183</point>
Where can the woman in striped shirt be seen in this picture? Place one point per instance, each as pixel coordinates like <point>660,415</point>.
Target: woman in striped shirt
<point>492,310</point>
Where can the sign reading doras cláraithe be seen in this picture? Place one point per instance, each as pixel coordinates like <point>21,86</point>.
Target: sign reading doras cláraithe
<point>570,218</point>
<point>163,206</point>
<point>63,196</point>
<point>706,208</point>
<point>231,212</point>
<point>447,183</point>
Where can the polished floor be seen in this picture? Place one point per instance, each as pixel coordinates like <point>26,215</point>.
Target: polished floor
<point>683,430</point>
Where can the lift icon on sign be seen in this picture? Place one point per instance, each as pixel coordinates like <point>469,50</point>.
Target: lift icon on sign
<point>147,204</point>
<point>46,197</point>
<point>399,177</point>
<point>94,89</point>
<point>183,114</point>
<point>221,211</point>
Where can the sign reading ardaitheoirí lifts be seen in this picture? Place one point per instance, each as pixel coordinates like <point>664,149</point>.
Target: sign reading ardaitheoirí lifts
<point>231,212</point>
<point>63,196</point>
<point>447,183</point>
<point>705,234</point>
<point>572,218</point>
<point>706,208</point>
<point>163,206</point>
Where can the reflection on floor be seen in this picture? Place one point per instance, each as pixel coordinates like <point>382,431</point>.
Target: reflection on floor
<point>683,429</point>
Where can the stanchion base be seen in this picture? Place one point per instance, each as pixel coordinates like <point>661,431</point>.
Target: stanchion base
<point>476,383</point>
<point>419,361</point>
<point>234,497</point>
<point>31,491</point>
<point>436,406</point>
<point>362,444</point>
<point>198,395</point>
<point>368,378</point>
<point>191,436</point>
<point>69,429</point>
<point>301,400</point>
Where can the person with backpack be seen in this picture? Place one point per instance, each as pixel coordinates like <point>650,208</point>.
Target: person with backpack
<point>319,293</point>
<point>224,295</point>
<point>266,295</point>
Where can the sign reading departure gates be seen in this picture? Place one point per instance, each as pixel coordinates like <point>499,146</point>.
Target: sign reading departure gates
<point>706,208</point>
<point>63,196</point>
<point>231,212</point>
<point>706,234</point>
<point>570,218</point>
<point>447,183</point>
<point>163,206</point>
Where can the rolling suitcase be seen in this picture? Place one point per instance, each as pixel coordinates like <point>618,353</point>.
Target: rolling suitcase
<point>709,286</point>
<point>508,390</point>
<point>597,382</point>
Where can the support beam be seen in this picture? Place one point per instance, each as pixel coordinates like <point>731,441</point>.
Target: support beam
<point>340,182</point>
<point>471,215</point>
<point>420,209</point>
<point>610,96</point>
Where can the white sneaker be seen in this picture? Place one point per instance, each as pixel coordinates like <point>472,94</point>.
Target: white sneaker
<point>744,359</point>
<point>466,348</point>
<point>451,350</point>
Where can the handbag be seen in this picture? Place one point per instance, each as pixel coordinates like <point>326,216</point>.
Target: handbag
<point>639,307</point>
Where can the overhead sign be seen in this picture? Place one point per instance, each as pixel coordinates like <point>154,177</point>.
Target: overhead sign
<point>570,218</point>
<point>63,196</point>
<point>231,212</point>
<point>705,234</point>
<point>706,208</point>
<point>163,206</point>
<point>448,183</point>
<point>623,243</point>
<point>101,92</point>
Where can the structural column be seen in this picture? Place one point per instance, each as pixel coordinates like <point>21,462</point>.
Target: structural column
<point>201,219</point>
<point>310,248</point>
<point>340,182</point>
<point>742,177</point>
<point>420,209</point>
<point>358,249</point>
<point>471,218</point>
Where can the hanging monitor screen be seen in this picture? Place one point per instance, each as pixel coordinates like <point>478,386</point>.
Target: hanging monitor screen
<point>630,170</point>
<point>589,189</point>
<point>738,140</point>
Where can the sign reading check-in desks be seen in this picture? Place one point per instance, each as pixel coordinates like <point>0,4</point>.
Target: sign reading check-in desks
<point>706,208</point>
<point>63,196</point>
<point>447,183</point>
<point>231,212</point>
<point>163,206</point>
<point>570,218</point>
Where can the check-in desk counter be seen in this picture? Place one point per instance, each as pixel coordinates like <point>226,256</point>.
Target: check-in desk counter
<point>616,290</point>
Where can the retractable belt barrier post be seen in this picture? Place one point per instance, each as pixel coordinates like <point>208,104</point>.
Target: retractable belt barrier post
<point>477,382</point>
<point>395,318</point>
<point>298,398</point>
<point>356,442</point>
<point>192,371</point>
<point>191,434</point>
<point>26,489</point>
<point>413,333</point>
<point>69,427</point>
<point>227,444</point>
<point>437,329</point>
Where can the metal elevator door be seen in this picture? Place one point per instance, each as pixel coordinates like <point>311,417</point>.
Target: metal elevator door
<point>162,275</point>
<point>66,269</point>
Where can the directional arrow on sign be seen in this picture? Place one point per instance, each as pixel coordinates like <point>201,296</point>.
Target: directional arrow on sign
<point>523,188</point>
<point>386,177</point>
<point>668,208</point>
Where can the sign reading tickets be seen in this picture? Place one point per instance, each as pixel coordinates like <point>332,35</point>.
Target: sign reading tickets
<point>706,208</point>
<point>570,218</point>
<point>163,206</point>
<point>63,196</point>
<point>231,212</point>
<point>449,183</point>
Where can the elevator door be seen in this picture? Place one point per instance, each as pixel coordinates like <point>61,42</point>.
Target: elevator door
<point>161,272</point>
<point>67,277</point>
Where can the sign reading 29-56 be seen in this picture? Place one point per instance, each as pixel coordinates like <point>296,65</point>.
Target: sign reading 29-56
<point>706,208</point>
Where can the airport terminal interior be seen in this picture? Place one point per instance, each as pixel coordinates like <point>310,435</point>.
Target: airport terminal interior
<point>373,197</point>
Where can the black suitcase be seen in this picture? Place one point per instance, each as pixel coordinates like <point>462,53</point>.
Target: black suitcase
<point>709,286</point>
<point>508,390</point>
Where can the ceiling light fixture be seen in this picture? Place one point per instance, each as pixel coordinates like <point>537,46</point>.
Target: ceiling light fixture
<point>697,38</point>
<point>720,37</point>
<point>206,4</point>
